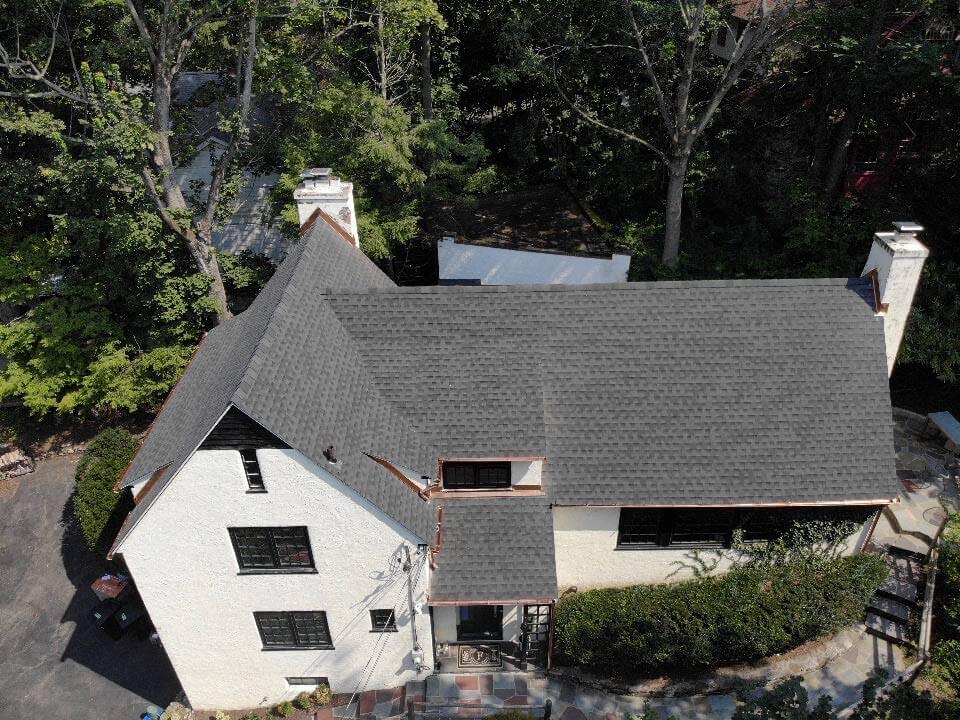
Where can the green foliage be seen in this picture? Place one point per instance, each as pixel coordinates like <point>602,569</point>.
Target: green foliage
<point>510,715</point>
<point>108,312</point>
<point>394,163</point>
<point>303,701</point>
<point>98,471</point>
<point>948,578</point>
<point>244,275</point>
<point>284,709</point>
<point>750,612</point>
<point>788,700</point>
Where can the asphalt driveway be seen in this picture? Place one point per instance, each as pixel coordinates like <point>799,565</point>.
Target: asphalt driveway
<point>53,663</point>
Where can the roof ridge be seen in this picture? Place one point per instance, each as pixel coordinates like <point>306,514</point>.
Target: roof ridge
<point>597,287</point>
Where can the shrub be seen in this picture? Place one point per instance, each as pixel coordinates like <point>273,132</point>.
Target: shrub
<point>321,696</point>
<point>510,715</point>
<point>303,701</point>
<point>221,715</point>
<point>948,581</point>
<point>284,709</point>
<point>101,466</point>
<point>750,612</point>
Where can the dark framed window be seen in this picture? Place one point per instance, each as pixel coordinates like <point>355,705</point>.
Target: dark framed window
<point>309,681</point>
<point>280,549</point>
<point>480,622</point>
<point>251,468</point>
<point>383,620</point>
<point>639,527</point>
<point>294,630</point>
<point>714,527</point>
<point>476,475</point>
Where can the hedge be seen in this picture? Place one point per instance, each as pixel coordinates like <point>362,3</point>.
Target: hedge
<point>102,464</point>
<point>747,613</point>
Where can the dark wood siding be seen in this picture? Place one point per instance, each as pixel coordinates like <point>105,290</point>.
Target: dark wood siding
<point>236,431</point>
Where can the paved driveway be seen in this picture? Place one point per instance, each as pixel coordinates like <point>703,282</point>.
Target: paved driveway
<point>53,663</point>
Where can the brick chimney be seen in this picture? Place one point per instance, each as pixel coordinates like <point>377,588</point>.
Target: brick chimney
<point>319,188</point>
<point>894,264</point>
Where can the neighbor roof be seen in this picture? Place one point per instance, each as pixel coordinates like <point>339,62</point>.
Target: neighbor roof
<point>667,393</point>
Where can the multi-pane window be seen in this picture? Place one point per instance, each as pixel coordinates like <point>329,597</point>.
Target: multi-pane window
<point>251,469</point>
<point>476,475</point>
<point>714,527</point>
<point>309,681</point>
<point>383,620</point>
<point>294,630</point>
<point>272,548</point>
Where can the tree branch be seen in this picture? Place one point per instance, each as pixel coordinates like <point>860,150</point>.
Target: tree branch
<point>648,70</point>
<point>610,128</point>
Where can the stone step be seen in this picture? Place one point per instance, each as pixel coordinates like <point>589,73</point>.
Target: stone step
<point>903,590</point>
<point>909,546</point>
<point>886,628</point>
<point>889,607</point>
<point>905,567</point>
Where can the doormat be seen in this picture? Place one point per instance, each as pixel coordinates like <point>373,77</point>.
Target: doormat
<point>479,656</point>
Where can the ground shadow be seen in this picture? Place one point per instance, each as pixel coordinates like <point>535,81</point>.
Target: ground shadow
<point>132,662</point>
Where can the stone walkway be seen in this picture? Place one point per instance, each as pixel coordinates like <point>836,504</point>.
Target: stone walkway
<point>911,525</point>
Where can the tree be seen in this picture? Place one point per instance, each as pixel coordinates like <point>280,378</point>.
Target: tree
<point>167,34</point>
<point>686,87</point>
<point>168,30</point>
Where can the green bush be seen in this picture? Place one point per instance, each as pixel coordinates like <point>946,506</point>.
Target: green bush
<point>750,612</point>
<point>284,709</point>
<point>303,701</point>
<point>948,580</point>
<point>101,466</point>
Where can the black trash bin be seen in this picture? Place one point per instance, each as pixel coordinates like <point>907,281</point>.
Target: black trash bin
<point>104,612</point>
<point>126,618</point>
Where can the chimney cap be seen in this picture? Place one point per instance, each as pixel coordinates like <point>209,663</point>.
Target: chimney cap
<point>316,173</point>
<point>907,226</point>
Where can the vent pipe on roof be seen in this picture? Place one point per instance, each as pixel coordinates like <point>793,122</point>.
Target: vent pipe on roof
<point>320,189</point>
<point>895,262</point>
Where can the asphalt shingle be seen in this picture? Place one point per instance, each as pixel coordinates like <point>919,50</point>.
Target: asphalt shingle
<point>691,393</point>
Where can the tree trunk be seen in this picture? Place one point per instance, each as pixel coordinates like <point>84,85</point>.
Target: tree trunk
<point>217,291</point>
<point>838,158</point>
<point>200,247</point>
<point>671,236</point>
<point>426,79</point>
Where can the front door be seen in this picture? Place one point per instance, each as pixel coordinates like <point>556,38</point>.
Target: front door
<point>479,623</point>
<point>535,635</point>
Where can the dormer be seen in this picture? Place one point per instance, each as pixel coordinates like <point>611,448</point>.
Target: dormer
<point>488,477</point>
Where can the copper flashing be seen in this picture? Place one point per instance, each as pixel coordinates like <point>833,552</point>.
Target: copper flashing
<point>527,491</point>
<point>509,601</point>
<point>328,219</point>
<point>148,486</point>
<point>878,306</point>
<point>783,504</point>
<point>422,492</point>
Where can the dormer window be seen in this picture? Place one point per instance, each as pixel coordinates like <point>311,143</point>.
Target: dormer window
<point>476,476</point>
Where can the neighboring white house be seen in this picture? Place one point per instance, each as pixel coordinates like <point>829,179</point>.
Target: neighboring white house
<point>467,264</point>
<point>361,484</point>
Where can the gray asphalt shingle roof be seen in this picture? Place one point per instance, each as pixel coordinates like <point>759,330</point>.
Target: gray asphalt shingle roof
<point>714,392</point>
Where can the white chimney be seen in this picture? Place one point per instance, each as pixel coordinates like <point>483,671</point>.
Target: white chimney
<point>895,262</point>
<point>320,189</point>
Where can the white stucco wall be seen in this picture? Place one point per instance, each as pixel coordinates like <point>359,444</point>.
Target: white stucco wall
<point>526,472</point>
<point>502,266</point>
<point>586,549</point>
<point>184,566</point>
<point>898,259</point>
